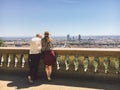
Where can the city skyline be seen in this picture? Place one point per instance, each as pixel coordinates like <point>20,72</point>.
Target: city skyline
<point>59,17</point>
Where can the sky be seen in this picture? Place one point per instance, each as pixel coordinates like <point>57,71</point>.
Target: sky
<point>59,17</point>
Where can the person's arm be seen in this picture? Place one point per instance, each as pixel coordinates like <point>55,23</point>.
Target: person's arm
<point>43,45</point>
<point>51,43</point>
<point>40,44</point>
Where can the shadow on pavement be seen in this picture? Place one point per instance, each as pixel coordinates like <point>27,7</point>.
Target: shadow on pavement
<point>19,80</point>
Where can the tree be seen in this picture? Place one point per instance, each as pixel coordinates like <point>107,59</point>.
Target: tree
<point>1,43</point>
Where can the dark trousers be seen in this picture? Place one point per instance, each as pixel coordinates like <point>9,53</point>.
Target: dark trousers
<point>33,60</point>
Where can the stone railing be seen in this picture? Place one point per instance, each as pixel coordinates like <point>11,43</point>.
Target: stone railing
<point>92,59</point>
<point>80,60</point>
<point>12,58</point>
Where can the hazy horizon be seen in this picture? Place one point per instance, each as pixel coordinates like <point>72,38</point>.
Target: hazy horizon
<point>65,37</point>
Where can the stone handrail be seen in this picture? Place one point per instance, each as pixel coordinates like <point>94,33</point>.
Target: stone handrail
<point>102,60</point>
<point>12,58</point>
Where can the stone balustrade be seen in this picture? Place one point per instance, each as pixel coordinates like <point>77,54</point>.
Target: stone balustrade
<point>80,60</point>
<point>12,58</point>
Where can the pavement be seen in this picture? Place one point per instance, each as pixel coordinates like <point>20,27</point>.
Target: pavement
<point>18,81</point>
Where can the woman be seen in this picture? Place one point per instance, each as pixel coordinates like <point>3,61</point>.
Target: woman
<point>48,54</point>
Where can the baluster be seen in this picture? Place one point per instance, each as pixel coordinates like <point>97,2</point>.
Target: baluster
<point>117,64</point>
<point>95,63</point>
<point>9,60</point>
<point>58,62</point>
<point>2,60</point>
<point>86,62</point>
<point>16,61</point>
<point>67,62</point>
<point>106,63</point>
<point>23,61</point>
<point>76,62</point>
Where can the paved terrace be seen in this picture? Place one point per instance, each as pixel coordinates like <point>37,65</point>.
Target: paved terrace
<point>18,81</point>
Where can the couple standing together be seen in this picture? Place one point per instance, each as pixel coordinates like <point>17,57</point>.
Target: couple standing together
<point>38,46</point>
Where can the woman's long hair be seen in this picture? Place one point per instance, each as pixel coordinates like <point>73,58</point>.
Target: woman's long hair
<point>48,39</point>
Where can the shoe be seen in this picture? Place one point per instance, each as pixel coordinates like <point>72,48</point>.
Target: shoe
<point>30,80</point>
<point>49,79</point>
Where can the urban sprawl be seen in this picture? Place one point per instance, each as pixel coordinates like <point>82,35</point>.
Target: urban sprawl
<point>69,42</point>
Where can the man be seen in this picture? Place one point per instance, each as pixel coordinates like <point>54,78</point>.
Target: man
<point>34,57</point>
